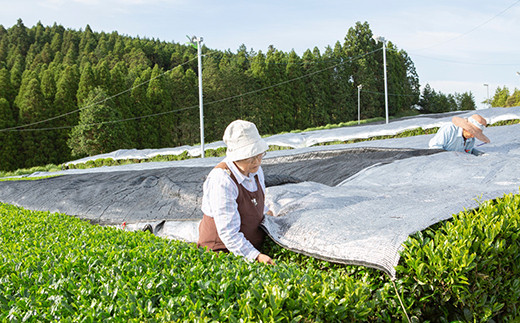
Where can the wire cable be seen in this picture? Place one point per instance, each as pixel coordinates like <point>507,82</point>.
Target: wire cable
<point>112,121</point>
<point>293,79</point>
<point>18,128</point>
<point>247,93</point>
<point>391,94</point>
<point>95,103</point>
<point>400,301</point>
<point>467,63</point>
<point>471,30</point>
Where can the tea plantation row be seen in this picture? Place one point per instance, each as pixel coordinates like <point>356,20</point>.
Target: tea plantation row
<point>55,267</point>
<point>219,152</point>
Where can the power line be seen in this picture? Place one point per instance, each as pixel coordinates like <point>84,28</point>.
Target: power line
<point>294,79</point>
<point>95,103</point>
<point>468,63</point>
<point>472,29</point>
<point>113,121</point>
<point>391,94</point>
<point>185,108</point>
<point>320,61</point>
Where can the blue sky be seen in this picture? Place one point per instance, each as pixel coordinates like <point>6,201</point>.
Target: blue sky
<point>457,46</point>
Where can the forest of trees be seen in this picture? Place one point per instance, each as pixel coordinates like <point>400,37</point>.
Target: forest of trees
<point>432,101</point>
<point>503,98</point>
<point>67,94</point>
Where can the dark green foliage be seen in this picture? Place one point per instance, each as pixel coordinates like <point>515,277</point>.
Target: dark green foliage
<point>34,178</point>
<point>403,82</point>
<point>367,70</point>
<point>465,101</point>
<point>65,104</point>
<point>514,99</point>
<point>65,269</point>
<point>153,87</point>
<point>6,90</point>
<point>504,123</point>
<point>95,134</point>
<point>8,140</point>
<point>435,102</point>
<point>54,267</point>
<point>503,98</point>
<point>26,171</point>
<point>39,147</point>
<point>467,269</point>
<point>406,133</point>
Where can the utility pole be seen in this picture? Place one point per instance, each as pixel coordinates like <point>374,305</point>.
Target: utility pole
<point>198,40</point>
<point>359,87</point>
<point>488,103</point>
<point>383,40</point>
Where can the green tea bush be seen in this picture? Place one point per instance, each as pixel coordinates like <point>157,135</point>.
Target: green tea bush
<point>332,126</point>
<point>26,178</point>
<point>90,164</point>
<point>221,151</point>
<point>504,123</point>
<point>468,268</point>
<point>99,162</point>
<point>54,267</point>
<point>406,133</point>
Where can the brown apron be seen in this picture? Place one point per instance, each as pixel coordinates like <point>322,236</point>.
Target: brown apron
<point>251,210</point>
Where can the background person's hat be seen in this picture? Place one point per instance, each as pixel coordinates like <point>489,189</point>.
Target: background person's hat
<point>474,125</point>
<point>243,140</point>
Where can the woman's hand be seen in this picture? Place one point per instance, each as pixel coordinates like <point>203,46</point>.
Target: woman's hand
<point>265,259</point>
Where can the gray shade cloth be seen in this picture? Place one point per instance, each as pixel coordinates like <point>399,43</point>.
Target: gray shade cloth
<point>301,140</point>
<point>175,193</point>
<point>351,203</point>
<point>365,219</point>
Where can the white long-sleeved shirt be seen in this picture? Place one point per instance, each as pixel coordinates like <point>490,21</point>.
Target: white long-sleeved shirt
<point>219,202</point>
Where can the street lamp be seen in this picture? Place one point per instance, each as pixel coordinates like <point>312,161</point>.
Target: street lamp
<point>198,40</point>
<point>487,86</point>
<point>359,87</point>
<point>383,40</point>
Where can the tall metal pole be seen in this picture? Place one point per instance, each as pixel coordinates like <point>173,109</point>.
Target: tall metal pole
<point>383,40</point>
<point>386,86</point>
<point>487,86</point>
<point>359,87</point>
<point>201,105</point>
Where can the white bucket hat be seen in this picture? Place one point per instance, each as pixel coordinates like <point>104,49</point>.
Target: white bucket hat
<point>474,124</point>
<point>243,140</point>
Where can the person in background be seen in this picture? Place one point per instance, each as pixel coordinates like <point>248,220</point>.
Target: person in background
<point>234,195</point>
<point>460,134</point>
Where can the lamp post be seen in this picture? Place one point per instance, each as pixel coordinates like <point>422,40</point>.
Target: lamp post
<point>487,86</point>
<point>198,40</point>
<point>359,87</point>
<point>383,40</point>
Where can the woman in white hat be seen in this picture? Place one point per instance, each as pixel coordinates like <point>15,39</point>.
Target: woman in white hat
<point>460,135</point>
<point>234,195</point>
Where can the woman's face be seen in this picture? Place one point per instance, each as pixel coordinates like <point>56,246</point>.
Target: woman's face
<point>467,134</point>
<point>250,165</point>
